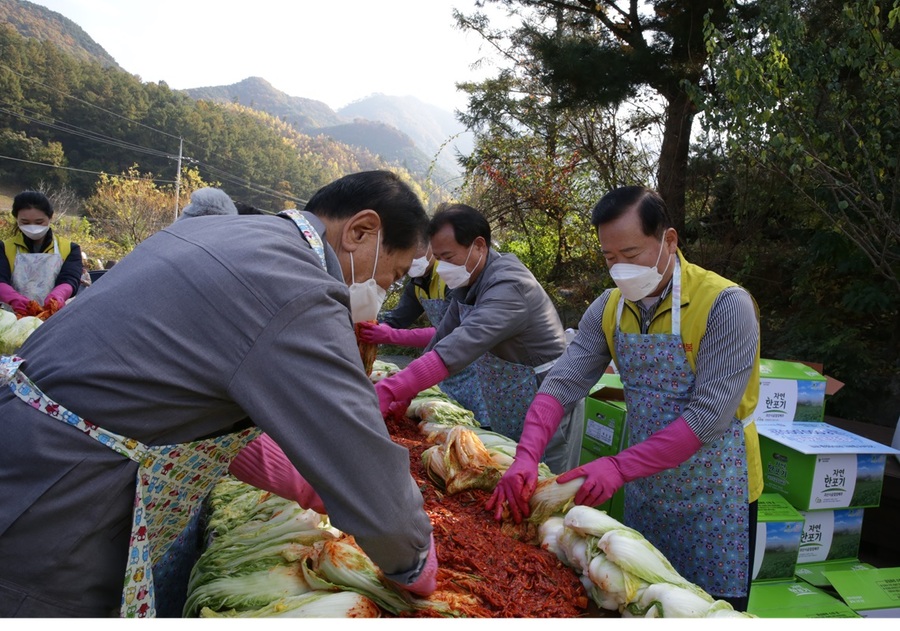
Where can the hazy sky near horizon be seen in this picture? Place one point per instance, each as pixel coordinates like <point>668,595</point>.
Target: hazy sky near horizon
<point>335,51</point>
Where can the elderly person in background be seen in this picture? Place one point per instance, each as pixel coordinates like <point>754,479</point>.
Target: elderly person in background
<point>209,201</point>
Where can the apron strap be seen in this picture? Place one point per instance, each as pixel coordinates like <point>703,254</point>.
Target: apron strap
<point>676,302</point>
<point>309,233</point>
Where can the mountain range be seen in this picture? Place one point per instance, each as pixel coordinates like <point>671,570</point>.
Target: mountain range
<point>401,130</point>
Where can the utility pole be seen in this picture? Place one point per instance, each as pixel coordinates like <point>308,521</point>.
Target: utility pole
<point>178,175</point>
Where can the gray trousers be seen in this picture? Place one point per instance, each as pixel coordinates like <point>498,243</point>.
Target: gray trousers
<point>564,449</point>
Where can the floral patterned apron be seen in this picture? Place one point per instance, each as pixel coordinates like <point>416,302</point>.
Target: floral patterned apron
<point>696,514</point>
<point>172,480</point>
<point>34,274</point>
<point>464,383</point>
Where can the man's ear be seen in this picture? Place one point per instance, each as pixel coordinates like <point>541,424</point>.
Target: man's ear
<point>358,227</point>
<point>671,238</point>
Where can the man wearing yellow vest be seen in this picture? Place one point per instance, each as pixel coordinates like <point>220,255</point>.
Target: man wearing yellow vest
<point>37,264</point>
<point>686,343</point>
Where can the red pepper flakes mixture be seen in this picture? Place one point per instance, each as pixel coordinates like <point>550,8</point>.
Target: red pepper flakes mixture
<point>496,563</point>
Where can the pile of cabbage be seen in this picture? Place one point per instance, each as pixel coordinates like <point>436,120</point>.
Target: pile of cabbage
<point>14,331</point>
<point>268,557</point>
<point>620,570</point>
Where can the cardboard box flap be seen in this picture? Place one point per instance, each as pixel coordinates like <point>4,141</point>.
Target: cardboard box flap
<point>609,388</point>
<point>820,438</point>
<point>872,592</point>
<point>792,599</point>
<point>832,385</point>
<point>814,573</point>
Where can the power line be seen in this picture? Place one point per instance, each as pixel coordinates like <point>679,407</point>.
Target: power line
<point>225,175</point>
<point>57,166</point>
<point>82,101</point>
<point>90,135</point>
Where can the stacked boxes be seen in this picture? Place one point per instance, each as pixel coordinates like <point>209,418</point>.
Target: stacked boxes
<point>789,391</point>
<point>779,531</point>
<point>818,466</point>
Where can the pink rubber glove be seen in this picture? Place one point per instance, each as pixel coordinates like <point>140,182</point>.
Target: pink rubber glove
<point>60,294</point>
<point>665,449</point>
<point>401,388</point>
<point>426,582</point>
<point>519,481</point>
<point>375,333</point>
<point>14,299</point>
<point>263,464</point>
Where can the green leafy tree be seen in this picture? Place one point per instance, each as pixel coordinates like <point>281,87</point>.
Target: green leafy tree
<point>806,120</point>
<point>611,52</point>
<point>815,101</point>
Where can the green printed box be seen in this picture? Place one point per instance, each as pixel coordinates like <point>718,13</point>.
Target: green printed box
<point>829,535</point>
<point>779,527</point>
<point>604,418</point>
<point>814,573</point>
<point>872,594</point>
<point>816,466</point>
<point>604,431</point>
<point>793,599</point>
<point>789,391</point>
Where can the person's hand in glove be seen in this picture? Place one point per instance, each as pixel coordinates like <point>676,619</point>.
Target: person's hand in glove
<point>262,463</point>
<point>426,582</point>
<point>401,388</point>
<point>519,481</point>
<point>375,333</point>
<point>665,449</point>
<point>14,299</point>
<point>59,295</point>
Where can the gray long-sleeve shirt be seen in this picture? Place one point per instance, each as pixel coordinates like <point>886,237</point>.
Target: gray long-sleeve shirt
<point>513,319</point>
<point>204,324</point>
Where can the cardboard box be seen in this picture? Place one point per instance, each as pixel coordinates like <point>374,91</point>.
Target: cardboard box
<point>817,466</point>
<point>814,573</point>
<point>789,391</point>
<point>829,535</point>
<point>872,593</point>
<point>779,527</point>
<point>604,418</point>
<point>605,431</point>
<point>794,599</point>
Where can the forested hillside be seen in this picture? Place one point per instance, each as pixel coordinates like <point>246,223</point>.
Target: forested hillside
<point>64,121</point>
<point>401,130</point>
<point>33,20</point>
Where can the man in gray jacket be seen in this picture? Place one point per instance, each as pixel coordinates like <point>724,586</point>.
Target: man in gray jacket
<point>502,323</point>
<point>158,369</point>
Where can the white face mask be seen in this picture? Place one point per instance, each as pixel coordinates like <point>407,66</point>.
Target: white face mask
<point>456,275</point>
<point>637,281</point>
<point>34,232</point>
<point>366,298</point>
<point>418,267</point>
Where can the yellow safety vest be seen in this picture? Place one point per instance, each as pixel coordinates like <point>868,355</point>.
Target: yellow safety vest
<point>700,288</point>
<point>436,289</point>
<point>16,244</point>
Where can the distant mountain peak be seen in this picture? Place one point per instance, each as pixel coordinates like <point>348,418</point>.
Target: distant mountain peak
<point>40,23</point>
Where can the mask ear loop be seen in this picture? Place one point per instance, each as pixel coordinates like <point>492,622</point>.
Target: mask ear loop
<point>669,262</point>
<point>352,271</point>
<point>377,248</point>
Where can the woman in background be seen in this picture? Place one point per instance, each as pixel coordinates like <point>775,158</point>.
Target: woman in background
<point>38,265</point>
